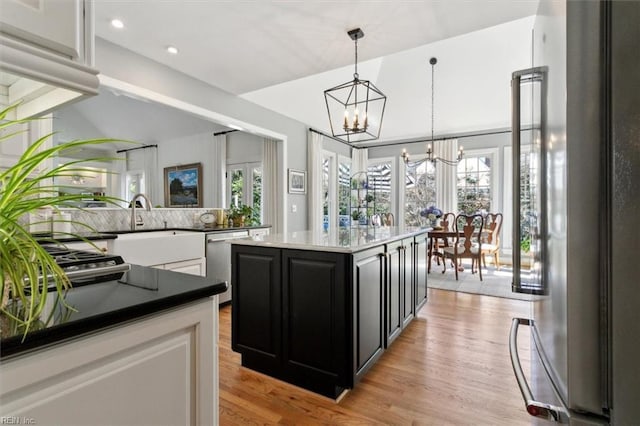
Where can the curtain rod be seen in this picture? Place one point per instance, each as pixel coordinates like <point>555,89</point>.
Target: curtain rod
<point>139,147</point>
<point>224,133</point>
<point>332,137</point>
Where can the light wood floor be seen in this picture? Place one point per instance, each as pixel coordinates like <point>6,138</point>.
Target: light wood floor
<point>450,366</point>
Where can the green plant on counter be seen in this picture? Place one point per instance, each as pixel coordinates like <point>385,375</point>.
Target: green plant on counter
<point>26,187</point>
<point>242,215</point>
<point>525,244</point>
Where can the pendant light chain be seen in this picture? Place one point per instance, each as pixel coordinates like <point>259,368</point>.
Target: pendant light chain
<point>355,74</point>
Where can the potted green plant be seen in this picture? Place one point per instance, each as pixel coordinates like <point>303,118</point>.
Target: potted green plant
<point>241,215</point>
<point>26,187</point>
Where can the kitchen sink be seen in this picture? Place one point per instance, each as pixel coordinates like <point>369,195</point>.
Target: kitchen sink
<point>149,248</point>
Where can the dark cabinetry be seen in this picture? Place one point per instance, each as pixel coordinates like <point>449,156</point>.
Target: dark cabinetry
<point>420,253</point>
<point>257,321</point>
<point>321,319</point>
<point>400,291</point>
<point>368,308</point>
<point>290,316</point>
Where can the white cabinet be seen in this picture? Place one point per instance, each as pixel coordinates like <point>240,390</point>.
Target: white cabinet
<point>192,266</point>
<point>55,25</point>
<point>181,251</point>
<point>159,370</point>
<point>46,48</point>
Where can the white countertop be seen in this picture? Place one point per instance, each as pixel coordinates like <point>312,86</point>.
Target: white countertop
<point>343,240</point>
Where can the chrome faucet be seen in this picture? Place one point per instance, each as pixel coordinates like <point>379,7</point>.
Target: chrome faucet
<point>132,203</point>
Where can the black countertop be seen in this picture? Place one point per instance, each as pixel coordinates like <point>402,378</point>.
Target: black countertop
<point>140,292</point>
<point>46,238</point>
<point>194,228</point>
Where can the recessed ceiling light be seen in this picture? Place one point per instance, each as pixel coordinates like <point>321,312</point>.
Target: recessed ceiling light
<point>172,49</point>
<point>116,23</point>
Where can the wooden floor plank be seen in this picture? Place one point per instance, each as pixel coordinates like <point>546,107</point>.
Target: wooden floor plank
<point>450,366</point>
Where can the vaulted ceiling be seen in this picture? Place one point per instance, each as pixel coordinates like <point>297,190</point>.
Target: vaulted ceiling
<point>245,46</point>
<point>242,46</point>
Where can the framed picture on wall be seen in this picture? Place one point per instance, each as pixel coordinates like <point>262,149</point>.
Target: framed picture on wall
<point>183,186</point>
<point>297,181</point>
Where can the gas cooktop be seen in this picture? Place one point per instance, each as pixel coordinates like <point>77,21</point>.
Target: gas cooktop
<point>86,267</point>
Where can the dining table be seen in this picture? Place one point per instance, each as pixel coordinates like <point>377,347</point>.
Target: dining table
<point>440,238</point>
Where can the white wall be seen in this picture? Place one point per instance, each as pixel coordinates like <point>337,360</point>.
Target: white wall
<point>244,148</point>
<point>126,66</point>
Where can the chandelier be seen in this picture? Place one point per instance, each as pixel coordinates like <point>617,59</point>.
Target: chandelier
<point>429,152</point>
<point>356,107</point>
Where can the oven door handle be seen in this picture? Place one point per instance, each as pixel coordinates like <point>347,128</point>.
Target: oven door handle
<point>104,270</point>
<point>535,408</point>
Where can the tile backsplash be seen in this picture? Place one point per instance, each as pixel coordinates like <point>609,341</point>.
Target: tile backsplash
<point>119,219</point>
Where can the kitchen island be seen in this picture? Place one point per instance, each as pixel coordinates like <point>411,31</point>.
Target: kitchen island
<point>319,309</point>
<point>138,349</point>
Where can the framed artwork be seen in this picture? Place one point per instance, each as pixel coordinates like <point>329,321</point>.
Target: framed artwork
<point>297,181</point>
<point>183,186</point>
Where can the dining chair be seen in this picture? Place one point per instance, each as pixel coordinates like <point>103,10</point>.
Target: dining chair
<point>447,224</point>
<point>491,238</point>
<point>466,243</point>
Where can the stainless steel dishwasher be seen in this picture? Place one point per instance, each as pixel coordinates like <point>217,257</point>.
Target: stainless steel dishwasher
<point>219,257</point>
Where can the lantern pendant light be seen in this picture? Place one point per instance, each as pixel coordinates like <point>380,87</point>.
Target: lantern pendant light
<point>355,108</point>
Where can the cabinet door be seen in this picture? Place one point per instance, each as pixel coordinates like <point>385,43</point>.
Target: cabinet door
<point>315,319</point>
<point>368,309</point>
<point>420,253</point>
<point>394,291</point>
<point>57,26</point>
<point>256,315</point>
<point>193,267</point>
<point>406,280</point>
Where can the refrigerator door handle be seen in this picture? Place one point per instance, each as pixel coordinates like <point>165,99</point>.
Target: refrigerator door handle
<point>535,408</point>
<point>529,75</point>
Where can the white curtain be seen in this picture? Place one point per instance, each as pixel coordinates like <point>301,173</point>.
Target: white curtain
<point>314,166</point>
<point>270,195</point>
<point>219,159</point>
<point>446,183</point>
<point>150,158</point>
<point>359,160</point>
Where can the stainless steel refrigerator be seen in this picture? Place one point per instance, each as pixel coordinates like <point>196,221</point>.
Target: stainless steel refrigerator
<point>578,108</point>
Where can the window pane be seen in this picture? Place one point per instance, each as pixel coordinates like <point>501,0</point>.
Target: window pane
<point>474,185</point>
<point>420,190</point>
<point>257,194</point>
<point>326,163</point>
<point>236,187</point>
<point>344,173</point>
<point>380,184</point>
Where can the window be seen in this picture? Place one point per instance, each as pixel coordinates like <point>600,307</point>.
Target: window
<point>344,190</point>
<point>474,184</point>
<point>244,186</point>
<point>335,190</point>
<point>528,191</point>
<point>419,190</point>
<point>134,183</point>
<point>326,192</point>
<point>379,177</point>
